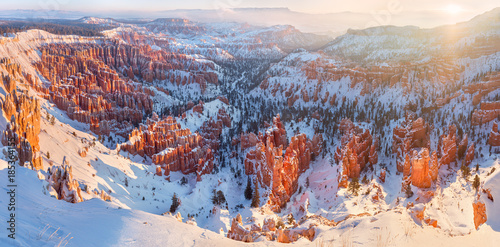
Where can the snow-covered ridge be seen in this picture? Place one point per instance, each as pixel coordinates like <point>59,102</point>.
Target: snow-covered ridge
<point>23,45</point>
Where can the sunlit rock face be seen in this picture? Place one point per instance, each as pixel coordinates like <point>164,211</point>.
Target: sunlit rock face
<point>422,170</point>
<point>24,114</point>
<point>358,148</point>
<point>480,216</point>
<point>269,230</point>
<point>448,146</point>
<point>62,185</point>
<point>176,149</point>
<point>411,144</point>
<point>276,170</point>
<point>411,134</point>
<point>93,82</point>
<point>494,139</point>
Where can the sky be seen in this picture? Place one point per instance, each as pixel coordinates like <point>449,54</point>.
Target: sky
<point>311,6</point>
<point>422,13</point>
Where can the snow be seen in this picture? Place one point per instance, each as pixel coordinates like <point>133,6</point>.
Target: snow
<point>44,221</point>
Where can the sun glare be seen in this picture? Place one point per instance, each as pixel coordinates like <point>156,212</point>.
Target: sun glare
<point>453,9</point>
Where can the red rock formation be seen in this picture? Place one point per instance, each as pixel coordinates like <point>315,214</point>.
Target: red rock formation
<point>176,149</point>
<point>411,134</point>
<point>317,144</point>
<point>469,156</point>
<point>420,173</point>
<point>199,107</point>
<point>480,216</point>
<point>223,99</point>
<point>357,149</point>
<point>494,139</point>
<point>248,140</point>
<point>382,175</point>
<point>61,181</point>
<point>24,114</point>
<point>239,233</point>
<point>268,163</point>
<point>411,144</point>
<point>448,147</point>
<point>418,214</point>
<point>224,117</point>
<point>373,155</point>
<point>86,84</point>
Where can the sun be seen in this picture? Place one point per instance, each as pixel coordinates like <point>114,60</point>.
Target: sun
<point>453,9</point>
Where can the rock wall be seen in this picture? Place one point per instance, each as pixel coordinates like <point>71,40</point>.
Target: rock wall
<point>494,139</point>
<point>275,170</point>
<point>93,82</point>
<point>448,147</point>
<point>175,149</point>
<point>411,134</point>
<point>358,148</point>
<point>480,216</point>
<point>24,114</point>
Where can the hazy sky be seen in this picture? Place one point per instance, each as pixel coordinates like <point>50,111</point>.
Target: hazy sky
<point>424,13</point>
<point>310,6</point>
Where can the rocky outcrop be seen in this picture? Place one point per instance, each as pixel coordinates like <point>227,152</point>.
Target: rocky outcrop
<point>62,185</point>
<point>224,117</point>
<point>92,82</point>
<point>24,113</point>
<point>480,216</point>
<point>170,147</point>
<point>364,78</point>
<point>494,139</point>
<point>423,170</point>
<point>85,83</point>
<point>411,134</point>
<point>248,140</point>
<point>237,232</point>
<point>268,230</point>
<point>448,147</point>
<point>276,170</point>
<point>491,82</point>
<point>176,149</point>
<point>418,215</point>
<point>412,147</point>
<point>469,156</point>
<point>357,149</point>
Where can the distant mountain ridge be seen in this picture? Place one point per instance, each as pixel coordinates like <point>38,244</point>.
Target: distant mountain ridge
<point>333,24</point>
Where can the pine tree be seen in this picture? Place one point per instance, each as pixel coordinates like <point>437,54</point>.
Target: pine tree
<point>248,190</point>
<point>291,219</point>
<point>175,203</point>
<point>256,196</point>
<point>476,182</point>
<point>408,191</point>
<point>354,186</point>
<point>218,198</point>
<point>465,171</point>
